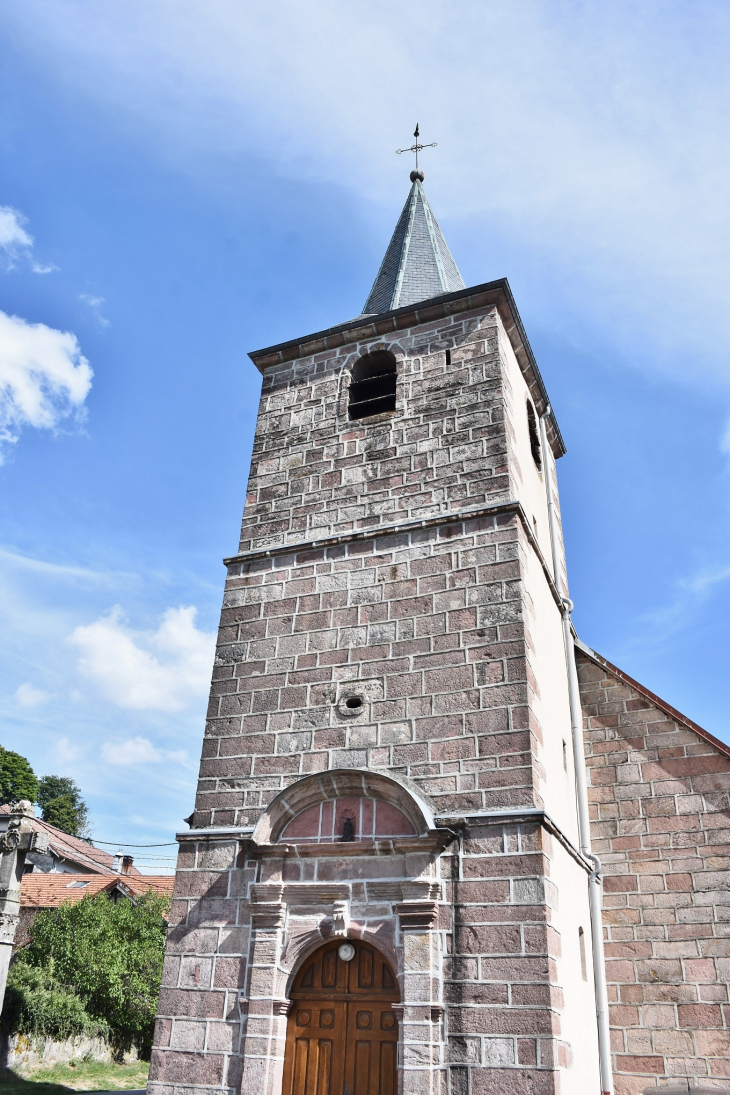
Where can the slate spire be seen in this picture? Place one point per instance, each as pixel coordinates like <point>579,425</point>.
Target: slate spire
<point>418,264</point>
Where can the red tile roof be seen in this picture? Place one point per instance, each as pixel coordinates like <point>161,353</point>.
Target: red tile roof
<point>48,891</point>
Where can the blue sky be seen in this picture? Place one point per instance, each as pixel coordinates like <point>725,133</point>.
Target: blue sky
<point>186,181</point>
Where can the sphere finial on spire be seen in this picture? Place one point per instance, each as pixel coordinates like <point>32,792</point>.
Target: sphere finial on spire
<point>417,175</point>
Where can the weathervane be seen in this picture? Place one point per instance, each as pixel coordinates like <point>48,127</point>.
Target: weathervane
<point>416,148</point>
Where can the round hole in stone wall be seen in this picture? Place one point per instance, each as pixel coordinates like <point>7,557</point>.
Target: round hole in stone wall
<point>352,705</point>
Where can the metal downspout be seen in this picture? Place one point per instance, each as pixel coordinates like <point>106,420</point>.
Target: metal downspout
<point>595,887</point>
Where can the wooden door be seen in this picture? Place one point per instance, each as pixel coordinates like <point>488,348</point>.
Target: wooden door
<point>342,1034</point>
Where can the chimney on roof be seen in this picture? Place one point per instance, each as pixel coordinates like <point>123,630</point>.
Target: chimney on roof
<point>127,862</point>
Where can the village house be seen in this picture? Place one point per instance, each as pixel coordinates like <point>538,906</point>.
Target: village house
<point>39,890</point>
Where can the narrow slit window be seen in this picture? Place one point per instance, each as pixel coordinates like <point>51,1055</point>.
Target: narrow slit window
<point>372,389</point>
<point>534,435</point>
<point>582,945</point>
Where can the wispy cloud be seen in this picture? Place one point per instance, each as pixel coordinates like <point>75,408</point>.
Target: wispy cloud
<point>725,440</point>
<point>690,593</point>
<point>704,580</point>
<point>95,303</point>
<point>63,571</point>
<point>44,377</point>
<point>138,750</point>
<point>28,696</point>
<point>162,670</point>
<point>66,752</point>
<point>16,242</point>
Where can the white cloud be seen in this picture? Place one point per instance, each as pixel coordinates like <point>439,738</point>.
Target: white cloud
<point>133,751</point>
<point>14,240</point>
<point>137,750</point>
<point>28,696</point>
<point>162,670</point>
<point>44,377</point>
<point>67,752</point>
<point>16,243</point>
<point>593,136</point>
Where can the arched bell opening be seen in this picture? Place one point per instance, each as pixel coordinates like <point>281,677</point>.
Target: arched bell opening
<point>342,1030</point>
<point>373,385</point>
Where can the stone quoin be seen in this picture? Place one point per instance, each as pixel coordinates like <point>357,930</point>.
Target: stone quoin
<point>399,858</point>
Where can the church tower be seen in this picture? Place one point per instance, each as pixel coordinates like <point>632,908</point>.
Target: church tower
<point>387,884</point>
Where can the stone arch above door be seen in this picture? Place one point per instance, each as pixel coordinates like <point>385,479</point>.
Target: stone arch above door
<point>353,784</point>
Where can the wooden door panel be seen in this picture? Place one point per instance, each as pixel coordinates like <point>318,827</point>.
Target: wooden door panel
<point>371,1048</point>
<point>362,1070</point>
<point>314,1063</point>
<point>388,1067</point>
<point>342,1034</point>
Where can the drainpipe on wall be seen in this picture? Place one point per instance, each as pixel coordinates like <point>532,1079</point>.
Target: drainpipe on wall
<point>595,888</point>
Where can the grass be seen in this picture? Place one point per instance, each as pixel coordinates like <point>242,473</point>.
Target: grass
<point>74,1076</point>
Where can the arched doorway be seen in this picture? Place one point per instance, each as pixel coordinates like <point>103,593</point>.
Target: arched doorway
<point>342,1033</point>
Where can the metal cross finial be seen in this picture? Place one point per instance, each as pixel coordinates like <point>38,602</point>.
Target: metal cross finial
<point>416,148</point>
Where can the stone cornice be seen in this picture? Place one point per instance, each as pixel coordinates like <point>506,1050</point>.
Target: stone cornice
<point>433,842</point>
<point>514,815</point>
<point>407,526</point>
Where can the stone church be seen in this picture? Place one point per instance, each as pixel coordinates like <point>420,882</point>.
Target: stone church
<point>440,846</point>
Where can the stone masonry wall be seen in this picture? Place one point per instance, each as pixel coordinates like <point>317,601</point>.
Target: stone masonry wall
<point>315,474</point>
<point>427,626</point>
<point>501,991</point>
<point>660,797</point>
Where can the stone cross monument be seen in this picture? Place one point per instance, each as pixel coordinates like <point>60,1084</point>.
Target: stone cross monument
<point>18,839</point>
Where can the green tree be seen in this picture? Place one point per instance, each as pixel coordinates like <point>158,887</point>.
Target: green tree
<point>36,1004</point>
<point>17,778</point>
<point>109,954</point>
<point>62,805</point>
